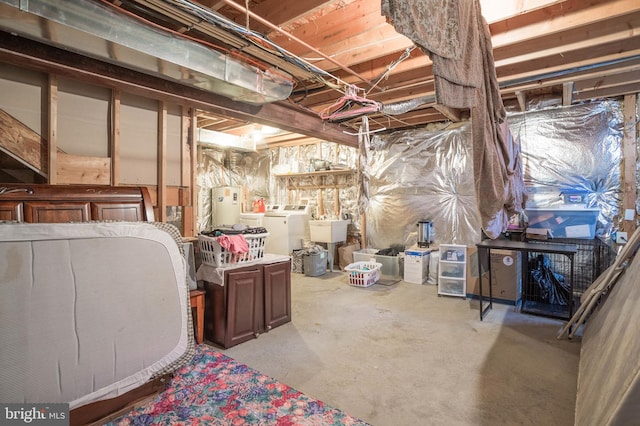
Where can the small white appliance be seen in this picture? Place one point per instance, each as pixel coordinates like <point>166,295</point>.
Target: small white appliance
<point>225,204</point>
<point>288,225</point>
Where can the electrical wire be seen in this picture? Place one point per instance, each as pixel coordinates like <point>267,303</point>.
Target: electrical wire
<point>257,40</point>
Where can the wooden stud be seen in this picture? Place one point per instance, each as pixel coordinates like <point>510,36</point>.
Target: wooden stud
<point>192,211</point>
<point>522,101</point>
<point>567,93</point>
<point>52,130</point>
<point>162,162</point>
<point>114,138</point>
<point>630,190</point>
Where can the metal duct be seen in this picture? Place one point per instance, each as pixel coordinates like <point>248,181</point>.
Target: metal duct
<point>94,29</point>
<point>406,106</point>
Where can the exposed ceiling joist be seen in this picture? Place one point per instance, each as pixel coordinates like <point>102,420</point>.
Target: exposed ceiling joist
<point>574,50</point>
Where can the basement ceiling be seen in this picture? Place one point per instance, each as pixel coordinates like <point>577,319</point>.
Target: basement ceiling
<point>568,51</point>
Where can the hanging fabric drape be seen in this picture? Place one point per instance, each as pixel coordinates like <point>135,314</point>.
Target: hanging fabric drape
<point>456,37</point>
<point>364,145</point>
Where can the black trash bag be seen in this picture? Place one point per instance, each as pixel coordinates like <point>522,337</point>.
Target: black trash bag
<point>549,285</point>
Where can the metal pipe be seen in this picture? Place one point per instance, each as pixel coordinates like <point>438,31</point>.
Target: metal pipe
<point>564,72</point>
<point>296,39</point>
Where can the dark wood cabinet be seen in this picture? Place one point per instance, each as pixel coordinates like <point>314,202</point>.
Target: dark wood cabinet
<point>253,300</point>
<point>74,203</point>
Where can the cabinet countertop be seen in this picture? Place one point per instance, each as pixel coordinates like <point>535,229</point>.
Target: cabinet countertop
<point>216,275</point>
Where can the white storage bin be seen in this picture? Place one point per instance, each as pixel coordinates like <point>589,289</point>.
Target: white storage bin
<point>390,264</point>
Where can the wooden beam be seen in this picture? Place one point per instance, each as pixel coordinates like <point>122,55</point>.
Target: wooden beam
<point>185,147</point>
<point>23,144</point>
<point>610,79</point>
<point>561,17</point>
<point>453,114</point>
<point>192,211</point>
<point>630,158</point>
<point>114,139</point>
<point>347,22</point>
<point>588,78</point>
<point>567,93</point>
<point>283,13</point>
<point>508,9</point>
<point>624,89</point>
<point>522,100</point>
<point>33,55</point>
<point>162,162</point>
<point>52,129</point>
<point>574,39</point>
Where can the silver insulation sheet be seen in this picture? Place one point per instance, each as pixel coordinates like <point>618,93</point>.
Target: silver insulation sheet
<point>427,174</point>
<point>217,167</point>
<point>298,159</point>
<point>574,149</point>
<point>422,175</point>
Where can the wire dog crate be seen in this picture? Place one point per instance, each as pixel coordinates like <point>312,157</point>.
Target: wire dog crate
<point>592,259</point>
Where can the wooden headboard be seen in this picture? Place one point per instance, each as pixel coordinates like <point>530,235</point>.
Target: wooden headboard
<point>74,203</point>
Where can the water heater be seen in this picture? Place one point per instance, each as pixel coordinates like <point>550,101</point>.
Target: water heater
<point>226,205</point>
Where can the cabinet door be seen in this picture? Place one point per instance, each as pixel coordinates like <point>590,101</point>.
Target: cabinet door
<point>244,304</point>
<point>131,212</point>
<point>215,313</point>
<point>56,212</point>
<point>11,210</point>
<point>277,294</point>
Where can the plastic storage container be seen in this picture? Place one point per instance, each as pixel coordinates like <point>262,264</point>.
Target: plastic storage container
<point>315,264</point>
<point>565,222</point>
<point>390,264</point>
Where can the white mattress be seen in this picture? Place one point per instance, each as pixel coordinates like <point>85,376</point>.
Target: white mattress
<point>88,311</point>
<point>609,376</point>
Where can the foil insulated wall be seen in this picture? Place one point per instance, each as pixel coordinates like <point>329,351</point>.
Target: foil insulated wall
<point>228,168</point>
<point>428,174</point>
<point>577,148</point>
<point>298,159</point>
<point>422,175</point>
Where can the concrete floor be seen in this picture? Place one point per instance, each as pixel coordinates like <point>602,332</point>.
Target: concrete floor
<point>400,355</point>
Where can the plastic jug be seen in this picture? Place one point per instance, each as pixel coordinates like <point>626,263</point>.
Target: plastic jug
<point>258,206</point>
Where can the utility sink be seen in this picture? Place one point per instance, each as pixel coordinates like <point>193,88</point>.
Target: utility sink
<point>328,231</point>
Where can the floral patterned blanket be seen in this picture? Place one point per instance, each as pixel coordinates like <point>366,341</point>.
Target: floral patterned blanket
<point>214,389</point>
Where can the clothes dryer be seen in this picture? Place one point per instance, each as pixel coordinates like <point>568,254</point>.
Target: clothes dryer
<point>288,226</point>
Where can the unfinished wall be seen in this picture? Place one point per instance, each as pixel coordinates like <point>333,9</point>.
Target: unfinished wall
<point>83,118</point>
<point>427,174</point>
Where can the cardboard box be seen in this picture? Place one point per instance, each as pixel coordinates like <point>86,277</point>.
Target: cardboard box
<point>416,265</point>
<point>506,283</point>
<point>537,233</point>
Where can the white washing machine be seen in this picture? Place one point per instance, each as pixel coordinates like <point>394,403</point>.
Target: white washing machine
<point>288,226</point>
<point>254,220</point>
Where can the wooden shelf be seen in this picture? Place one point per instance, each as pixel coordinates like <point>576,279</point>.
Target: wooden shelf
<point>318,181</point>
<point>318,173</point>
